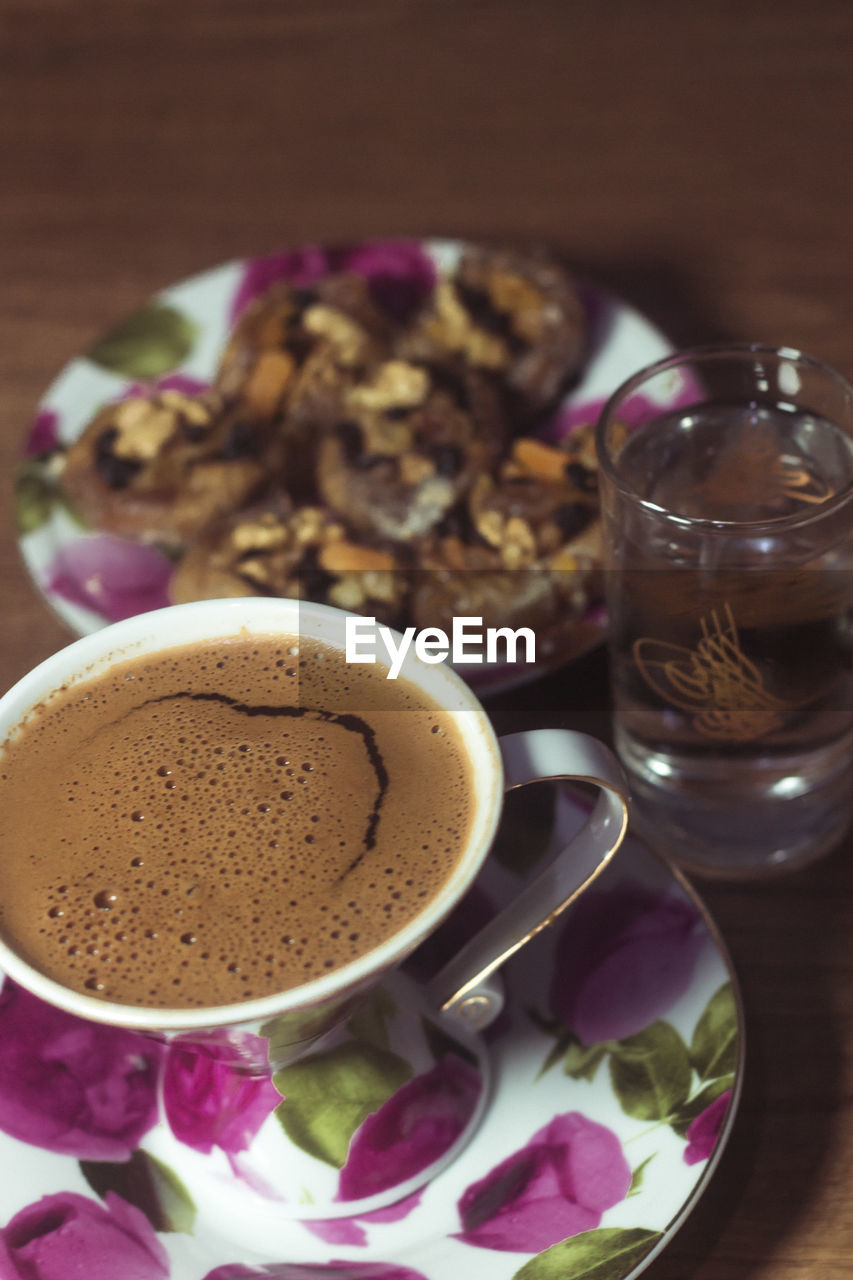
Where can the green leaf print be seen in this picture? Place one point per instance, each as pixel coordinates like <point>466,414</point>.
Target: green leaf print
<point>608,1253</point>
<point>639,1174</point>
<point>38,495</point>
<point>554,1055</point>
<point>328,1095</point>
<point>369,1023</point>
<point>148,1184</point>
<point>650,1072</point>
<point>151,342</point>
<point>581,1061</point>
<point>713,1048</point>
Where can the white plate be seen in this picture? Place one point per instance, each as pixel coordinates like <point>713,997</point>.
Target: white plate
<point>617,1064</point>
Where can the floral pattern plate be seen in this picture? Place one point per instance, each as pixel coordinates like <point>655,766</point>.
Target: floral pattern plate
<point>176,340</point>
<point>617,1068</point>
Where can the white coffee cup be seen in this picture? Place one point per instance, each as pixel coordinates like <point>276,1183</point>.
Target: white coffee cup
<point>267,1033</point>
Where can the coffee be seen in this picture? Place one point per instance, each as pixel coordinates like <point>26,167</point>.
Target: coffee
<point>218,822</point>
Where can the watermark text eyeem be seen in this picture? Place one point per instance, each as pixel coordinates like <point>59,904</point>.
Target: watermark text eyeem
<point>468,642</point>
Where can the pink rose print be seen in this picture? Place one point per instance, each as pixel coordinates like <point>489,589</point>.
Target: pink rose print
<point>183,382</point>
<point>73,1086</point>
<point>300,267</point>
<point>399,273</point>
<point>313,1270</point>
<point>412,1129</point>
<point>43,435</point>
<point>67,1235</point>
<point>208,1104</point>
<point>557,1185</point>
<point>349,1231</point>
<point>705,1129</point>
<point>622,960</point>
<point>113,577</point>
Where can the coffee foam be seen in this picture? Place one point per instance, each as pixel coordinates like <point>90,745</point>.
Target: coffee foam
<point>224,821</point>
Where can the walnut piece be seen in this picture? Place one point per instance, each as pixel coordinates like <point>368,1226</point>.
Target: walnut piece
<point>264,534</point>
<point>349,557</point>
<point>453,328</point>
<point>142,428</point>
<point>396,384</point>
<point>345,334</point>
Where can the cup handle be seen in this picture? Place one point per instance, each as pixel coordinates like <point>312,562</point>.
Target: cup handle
<point>466,989</point>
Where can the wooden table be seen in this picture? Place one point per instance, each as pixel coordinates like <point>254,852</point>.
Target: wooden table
<point>694,158</point>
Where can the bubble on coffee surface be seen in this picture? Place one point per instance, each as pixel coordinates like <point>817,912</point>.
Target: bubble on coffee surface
<point>232,841</point>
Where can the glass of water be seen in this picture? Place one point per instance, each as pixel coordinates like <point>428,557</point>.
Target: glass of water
<point>727,504</point>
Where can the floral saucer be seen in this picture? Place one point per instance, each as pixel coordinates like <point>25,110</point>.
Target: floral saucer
<point>617,1067</point>
<point>175,341</point>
